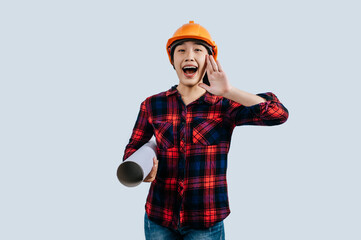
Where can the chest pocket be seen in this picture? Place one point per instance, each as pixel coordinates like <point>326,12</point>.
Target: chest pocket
<point>164,134</point>
<point>207,131</point>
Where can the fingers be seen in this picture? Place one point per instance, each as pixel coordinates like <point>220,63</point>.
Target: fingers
<point>220,69</point>
<point>204,86</point>
<point>153,172</point>
<point>209,66</point>
<point>212,65</point>
<point>155,165</point>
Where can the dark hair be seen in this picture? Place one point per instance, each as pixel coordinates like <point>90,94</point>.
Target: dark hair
<point>205,79</point>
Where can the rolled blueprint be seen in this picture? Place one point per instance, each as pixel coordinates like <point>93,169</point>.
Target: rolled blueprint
<point>135,168</point>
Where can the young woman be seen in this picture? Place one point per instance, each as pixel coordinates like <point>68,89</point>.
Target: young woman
<point>193,124</point>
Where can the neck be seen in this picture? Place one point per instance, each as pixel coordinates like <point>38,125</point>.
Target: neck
<point>190,94</point>
<point>187,91</point>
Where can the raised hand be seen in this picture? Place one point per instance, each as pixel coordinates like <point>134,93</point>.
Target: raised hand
<point>219,84</point>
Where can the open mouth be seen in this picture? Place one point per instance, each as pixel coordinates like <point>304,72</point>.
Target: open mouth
<point>190,70</point>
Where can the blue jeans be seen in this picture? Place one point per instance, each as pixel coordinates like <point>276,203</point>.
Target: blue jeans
<point>154,231</point>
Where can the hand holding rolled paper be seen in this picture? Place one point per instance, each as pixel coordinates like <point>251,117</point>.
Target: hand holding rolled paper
<point>139,166</point>
<point>153,172</point>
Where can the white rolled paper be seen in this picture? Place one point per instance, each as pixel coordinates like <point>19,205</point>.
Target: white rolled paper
<point>135,168</point>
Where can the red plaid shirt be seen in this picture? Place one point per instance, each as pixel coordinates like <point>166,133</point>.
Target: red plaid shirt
<point>193,141</point>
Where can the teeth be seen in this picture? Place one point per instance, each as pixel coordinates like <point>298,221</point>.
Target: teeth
<point>190,67</point>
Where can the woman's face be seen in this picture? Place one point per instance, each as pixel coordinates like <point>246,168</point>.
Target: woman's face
<point>189,61</point>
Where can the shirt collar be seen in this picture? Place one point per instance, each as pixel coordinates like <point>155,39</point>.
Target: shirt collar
<point>207,97</point>
<point>211,99</point>
<point>171,91</point>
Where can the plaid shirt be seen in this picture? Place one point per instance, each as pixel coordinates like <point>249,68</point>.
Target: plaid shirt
<point>190,188</point>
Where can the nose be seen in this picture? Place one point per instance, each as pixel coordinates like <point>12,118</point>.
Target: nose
<point>190,56</point>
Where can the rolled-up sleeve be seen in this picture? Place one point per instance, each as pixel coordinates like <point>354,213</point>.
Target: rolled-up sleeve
<point>142,132</point>
<point>268,113</point>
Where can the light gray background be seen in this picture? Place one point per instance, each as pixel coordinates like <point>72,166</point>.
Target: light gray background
<point>73,75</point>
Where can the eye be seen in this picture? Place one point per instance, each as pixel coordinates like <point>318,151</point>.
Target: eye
<point>198,50</point>
<point>180,50</point>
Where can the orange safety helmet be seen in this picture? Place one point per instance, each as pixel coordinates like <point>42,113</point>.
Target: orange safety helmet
<point>191,30</point>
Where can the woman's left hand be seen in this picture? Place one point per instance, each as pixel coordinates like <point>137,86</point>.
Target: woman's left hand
<point>219,84</point>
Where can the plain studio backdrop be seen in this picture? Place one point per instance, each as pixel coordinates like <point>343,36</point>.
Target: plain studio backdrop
<point>73,75</point>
